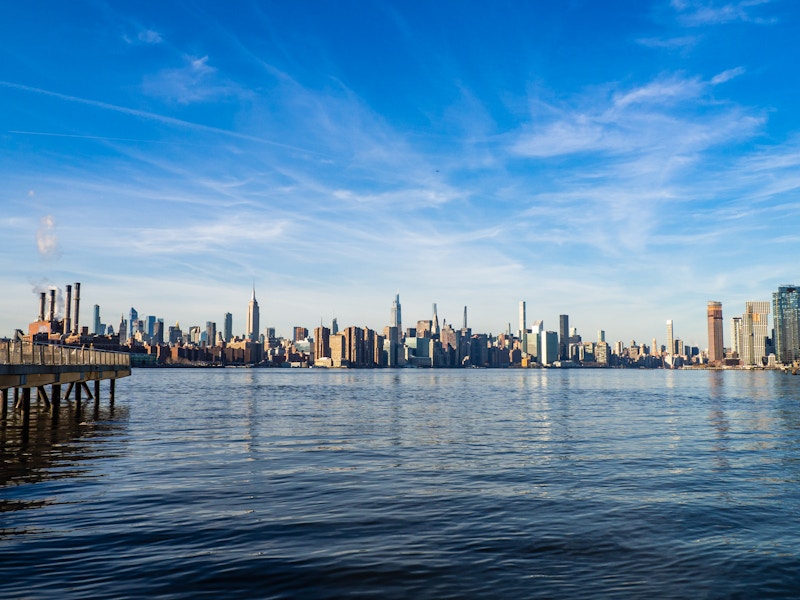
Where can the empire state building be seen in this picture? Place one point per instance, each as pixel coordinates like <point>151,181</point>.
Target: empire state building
<point>252,318</point>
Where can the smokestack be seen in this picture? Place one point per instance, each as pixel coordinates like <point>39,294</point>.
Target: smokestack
<point>42,300</point>
<point>52,305</point>
<point>68,310</point>
<point>77,307</point>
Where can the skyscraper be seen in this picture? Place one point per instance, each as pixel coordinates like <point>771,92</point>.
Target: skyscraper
<point>227,328</point>
<point>563,337</point>
<point>736,335</point>
<point>523,322</point>
<point>96,324</point>
<point>435,328</point>
<point>786,316</point>
<point>132,324</point>
<point>252,318</point>
<point>754,333</point>
<point>670,338</point>
<point>715,345</point>
<point>397,317</point>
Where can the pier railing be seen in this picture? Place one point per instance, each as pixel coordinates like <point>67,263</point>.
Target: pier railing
<point>27,353</point>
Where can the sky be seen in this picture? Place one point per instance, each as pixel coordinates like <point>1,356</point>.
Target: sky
<point>621,162</point>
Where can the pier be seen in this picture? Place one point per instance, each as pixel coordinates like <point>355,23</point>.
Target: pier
<point>28,366</point>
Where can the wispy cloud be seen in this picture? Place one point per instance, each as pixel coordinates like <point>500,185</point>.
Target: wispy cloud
<point>695,13</point>
<point>195,81</point>
<point>727,75</point>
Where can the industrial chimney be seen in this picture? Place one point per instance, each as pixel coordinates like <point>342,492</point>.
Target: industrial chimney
<point>52,305</point>
<point>68,311</point>
<point>42,301</point>
<point>77,307</point>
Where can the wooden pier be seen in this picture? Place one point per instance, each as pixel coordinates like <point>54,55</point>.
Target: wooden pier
<point>26,366</point>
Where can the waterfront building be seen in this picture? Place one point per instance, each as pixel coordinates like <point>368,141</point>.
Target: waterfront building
<point>549,347</point>
<point>716,351</point>
<point>736,336</point>
<point>338,349</point>
<point>602,353</point>
<point>754,333</point>
<point>253,318</point>
<point>563,337</point>
<point>227,328</point>
<point>322,343</point>
<point>670,338</point>
<point>786,318</point>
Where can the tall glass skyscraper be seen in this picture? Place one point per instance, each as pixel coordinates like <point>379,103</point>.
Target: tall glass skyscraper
<point>786,311</point>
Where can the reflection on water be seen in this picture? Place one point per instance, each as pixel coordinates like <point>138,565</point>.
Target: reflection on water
<point>54,444</point>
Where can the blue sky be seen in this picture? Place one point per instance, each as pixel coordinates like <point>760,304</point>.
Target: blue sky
<point>621,162</point>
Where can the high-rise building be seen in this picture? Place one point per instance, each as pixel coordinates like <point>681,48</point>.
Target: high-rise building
<point>670,338</point>
<point>299,333</point>
<point>786,316</point>
<point>335,326</point>
<point>151,323</point>
<point>716,352</point>
<point>563,337</point>
<point>397,316</point>
<point>132,323</point>
<point>96,323</point>
<point>158,332</point>
<point>465,318</point>
<point>736,336</point>
<point>227,328</point>
<point>601,336</point>
<point>754,333</point>
<point>211,333</point>
<point>523,320</point>
<point>549,348</point>
<point>322,343</point>
<point>435,329</point>
<point>252,318</point>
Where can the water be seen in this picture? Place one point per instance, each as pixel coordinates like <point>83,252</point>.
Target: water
<point>413,483</point>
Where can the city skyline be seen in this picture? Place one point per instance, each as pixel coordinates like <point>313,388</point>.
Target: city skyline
<point>620,166</point>
<point>740,326</point>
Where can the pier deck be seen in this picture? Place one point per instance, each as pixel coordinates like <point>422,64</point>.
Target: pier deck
<point>26,365</point>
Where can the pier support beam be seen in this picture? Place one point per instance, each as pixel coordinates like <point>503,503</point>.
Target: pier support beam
<point>112,386</point>
<point>5,403</point>
<point>55,395</point>
<point>42,395</point>
<point>26,401</point>
<point>97,389</point>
